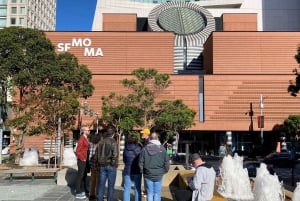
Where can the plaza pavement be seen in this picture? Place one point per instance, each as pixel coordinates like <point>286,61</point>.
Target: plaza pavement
<point>45,189</point>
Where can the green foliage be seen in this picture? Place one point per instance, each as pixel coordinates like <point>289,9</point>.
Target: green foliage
<point>139,108</point>
<point>48,84</point>
<point>118,111</point>
<point>292,125</point>
<point>174,116</point>
<point>145,87</point>
<point>294,86</point>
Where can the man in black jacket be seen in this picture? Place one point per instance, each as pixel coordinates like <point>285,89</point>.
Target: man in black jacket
<point>106,158</point>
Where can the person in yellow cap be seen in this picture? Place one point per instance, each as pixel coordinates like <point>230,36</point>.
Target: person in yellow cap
<point>145,135</point>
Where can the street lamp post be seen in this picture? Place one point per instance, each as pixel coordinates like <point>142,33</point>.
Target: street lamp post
<point>59,141</point>
<point>261,106</point>
<point>229,142</point>
<point>97,123</point>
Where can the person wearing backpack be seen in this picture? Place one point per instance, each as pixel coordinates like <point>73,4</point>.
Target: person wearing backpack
<point>131,171</point>
<point>107,159</point>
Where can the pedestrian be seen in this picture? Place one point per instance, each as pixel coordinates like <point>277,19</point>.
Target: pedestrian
<point>94,167</point>
<point>131,171</point>
<point>82,160</point>
<point>201,185</point>
<point>154,163</point>
<point>106,158</point>
<point>222,151</point>
<point>145,139</point>
<point>145,135</point>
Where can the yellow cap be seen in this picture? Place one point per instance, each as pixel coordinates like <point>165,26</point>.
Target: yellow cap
<point>145,131</point>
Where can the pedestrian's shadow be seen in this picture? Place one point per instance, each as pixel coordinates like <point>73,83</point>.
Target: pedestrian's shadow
<point>118,196</point>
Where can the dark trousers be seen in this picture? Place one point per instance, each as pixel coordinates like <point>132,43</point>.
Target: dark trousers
<point>81,176</point>
<point>184,195</point>
<point>94,181</point>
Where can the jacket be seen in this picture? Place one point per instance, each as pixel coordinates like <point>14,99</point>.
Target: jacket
<point>203,182</point>
<point>154,161</point>
<point>131,159</point>
<point>106,152</point>
<point>82,148</point>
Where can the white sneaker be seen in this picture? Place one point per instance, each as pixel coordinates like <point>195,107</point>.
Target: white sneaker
<point>80,196</point>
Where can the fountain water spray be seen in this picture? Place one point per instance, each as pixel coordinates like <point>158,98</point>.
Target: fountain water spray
<point>235,182</point>
<point>69,157</point>
<point>296,193</point>
<point>30,157</point>
<point>266,186</point>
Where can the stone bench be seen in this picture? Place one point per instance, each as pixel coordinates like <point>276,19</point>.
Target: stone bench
<point>32,171</point>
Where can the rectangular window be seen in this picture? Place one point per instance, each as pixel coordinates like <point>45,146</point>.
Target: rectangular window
<point>21,21</point>
<point>13,1</point>
<point>22,10</point>
<point>22,1</point>
<point>13,21</point>
<point>2,22</point>
<point>13,10</point>
<point>3,1</point>
<point>3,11</point>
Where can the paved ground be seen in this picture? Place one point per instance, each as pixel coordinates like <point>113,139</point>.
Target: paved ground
<point>44,189</point>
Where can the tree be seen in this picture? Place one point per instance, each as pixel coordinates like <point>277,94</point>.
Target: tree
<point>126,112</point>
<point>145,87</point>
<point>141,108</point>
<point>292,126</point>
<point>119,112</point>
<point>48,84</point>
<point>294,86</point>
<point>173,116</point>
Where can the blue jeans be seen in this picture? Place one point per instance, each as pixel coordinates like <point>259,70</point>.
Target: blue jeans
<point>107,173</point>
<point>153,189</point>
<point>128,180</point>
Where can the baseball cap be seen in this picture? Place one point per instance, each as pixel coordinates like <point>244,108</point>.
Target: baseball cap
<point>145,131</point>
<point>194,157</point>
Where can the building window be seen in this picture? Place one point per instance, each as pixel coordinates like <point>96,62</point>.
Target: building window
<point>22,10</point>
<point>13,10</point>
<point>13,1</point>
<point>12,21</point>
<point>21,21</point>
<point>3,1</point>
<point>2,22</point>
<point>3,11</point>
<point>22,1</point>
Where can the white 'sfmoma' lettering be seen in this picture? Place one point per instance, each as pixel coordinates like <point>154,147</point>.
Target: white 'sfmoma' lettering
<point>86,42</point>
<point>94,52</point>
<point>81,42</point>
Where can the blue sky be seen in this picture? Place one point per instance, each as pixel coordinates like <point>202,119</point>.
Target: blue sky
<point>75,15</point>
